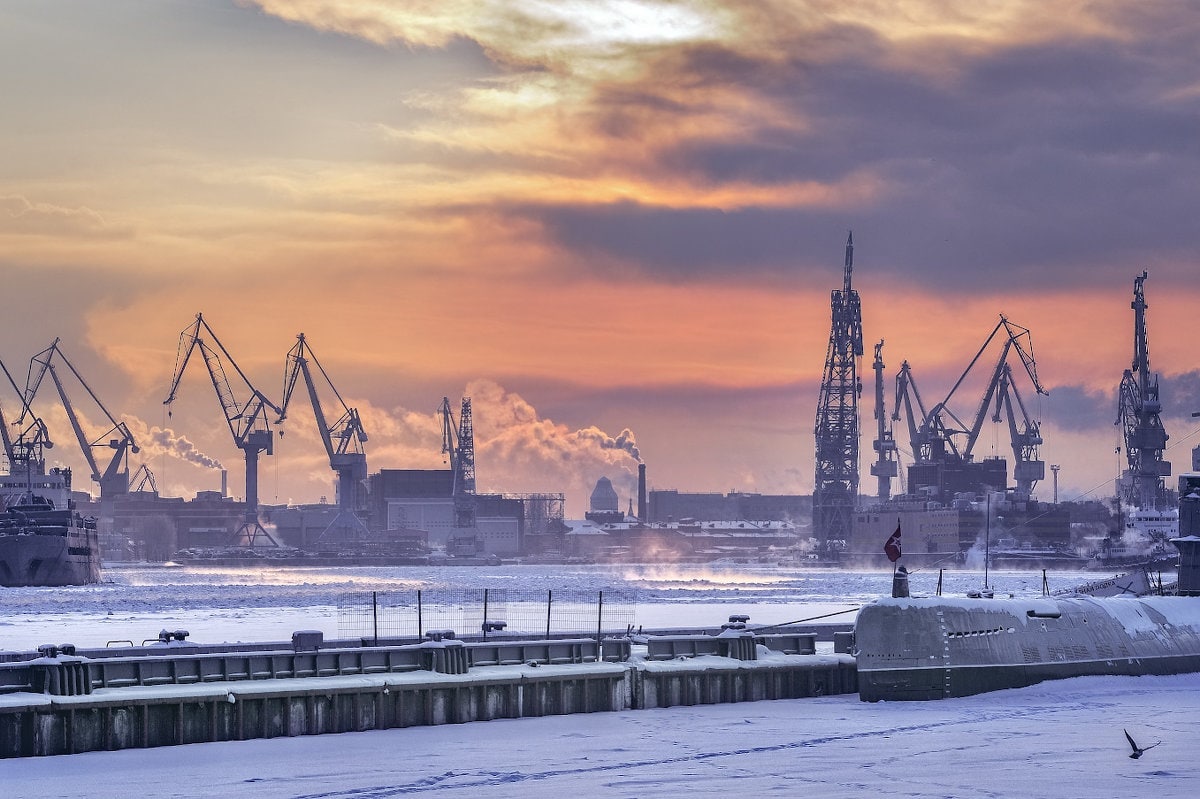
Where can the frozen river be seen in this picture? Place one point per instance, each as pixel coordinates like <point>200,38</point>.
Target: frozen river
<point>219,604</point>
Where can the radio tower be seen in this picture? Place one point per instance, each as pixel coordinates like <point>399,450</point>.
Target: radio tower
<point>835,489</point>
<point>1138,410</point>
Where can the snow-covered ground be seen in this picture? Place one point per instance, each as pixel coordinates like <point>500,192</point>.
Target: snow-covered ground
<point>1059,739</point>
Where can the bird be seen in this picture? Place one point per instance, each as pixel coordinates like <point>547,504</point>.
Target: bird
<point>1138,751</point>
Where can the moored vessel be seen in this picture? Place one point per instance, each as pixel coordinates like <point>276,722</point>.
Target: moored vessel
<point>44,541</point>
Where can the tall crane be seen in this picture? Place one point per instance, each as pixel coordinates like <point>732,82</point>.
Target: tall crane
<point>25,452</point>
<point>458,442</point>
<point>343,442</point>
<point>1138,409</point>
<point>884,467</point>
<point>114,477</point>
<point>247,420</point>
<point>835,489</point>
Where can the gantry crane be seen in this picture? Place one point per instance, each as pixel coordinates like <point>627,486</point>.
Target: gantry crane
<point>114,478</point>
<point>1138,409</point>
<point>458,442</point>
<point>343,442</point>
<point>835,481</point>
<point>247,419</point>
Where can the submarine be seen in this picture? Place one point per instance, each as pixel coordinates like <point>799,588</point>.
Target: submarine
<point>922,648</point>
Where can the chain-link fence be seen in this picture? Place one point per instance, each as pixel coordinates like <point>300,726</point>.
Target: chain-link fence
<point>410,614</point>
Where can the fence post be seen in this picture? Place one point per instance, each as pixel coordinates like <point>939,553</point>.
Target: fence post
<point>599,618</point>
<point>420,626</point>
<point>549,600</point>
<point>375,615</point>
<point>485,614</point>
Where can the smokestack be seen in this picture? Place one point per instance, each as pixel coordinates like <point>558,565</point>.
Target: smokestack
<point>641,492</point>
<point>224,484</point>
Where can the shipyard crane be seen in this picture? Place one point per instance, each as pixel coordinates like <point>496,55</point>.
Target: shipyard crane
<point>1027,468</point>
<point>458,443</point>
<point>884,467</point>
<point>143,480</point>
<point>835,483</point>
<point>1138,409</point>
<point>343,442</point>
<point>936,452</point>
<point>114,477</point>
<point>247,420</point>
<point>25,452</point>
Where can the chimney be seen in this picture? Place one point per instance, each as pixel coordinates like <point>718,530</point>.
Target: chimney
<point>642,492</point>
<point>224,484</point>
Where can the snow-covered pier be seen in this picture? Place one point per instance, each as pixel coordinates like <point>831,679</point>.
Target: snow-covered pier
<point>60,700</point>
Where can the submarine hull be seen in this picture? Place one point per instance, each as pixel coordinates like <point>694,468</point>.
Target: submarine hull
<point>921,649</point>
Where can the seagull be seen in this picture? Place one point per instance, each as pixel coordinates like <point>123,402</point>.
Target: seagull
<point>1137,750</point>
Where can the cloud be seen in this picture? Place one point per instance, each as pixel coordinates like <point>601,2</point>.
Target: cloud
<point>19,215</point>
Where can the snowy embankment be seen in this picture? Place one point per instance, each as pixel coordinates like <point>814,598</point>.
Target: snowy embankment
<point>1061,739</point>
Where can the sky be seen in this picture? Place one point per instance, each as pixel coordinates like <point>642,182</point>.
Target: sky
<point>614,224</point>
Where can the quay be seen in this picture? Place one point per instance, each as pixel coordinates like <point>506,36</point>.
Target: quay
<point>63,700</point>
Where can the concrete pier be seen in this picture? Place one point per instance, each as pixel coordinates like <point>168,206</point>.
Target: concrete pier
<point>65,702</point>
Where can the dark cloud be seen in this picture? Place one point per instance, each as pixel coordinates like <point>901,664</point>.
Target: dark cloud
<point>1075,409</point>
<point>1180,394</point>
<point>1067,159</point>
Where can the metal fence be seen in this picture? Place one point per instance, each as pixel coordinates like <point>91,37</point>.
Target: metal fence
<point>410,614</point>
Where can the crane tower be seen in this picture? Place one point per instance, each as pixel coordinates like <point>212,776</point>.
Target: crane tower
<point>1138,408</point>
<point>835,489</point>
<point>884,468</point>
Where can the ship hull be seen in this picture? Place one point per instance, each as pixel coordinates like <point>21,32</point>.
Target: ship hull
<point>920,649</point>
<point>64,556</point>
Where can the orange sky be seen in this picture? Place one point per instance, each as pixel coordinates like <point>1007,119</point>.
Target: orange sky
<point>595,217</point>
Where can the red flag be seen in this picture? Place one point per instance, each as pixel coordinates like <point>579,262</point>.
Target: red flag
<point>892,547</point>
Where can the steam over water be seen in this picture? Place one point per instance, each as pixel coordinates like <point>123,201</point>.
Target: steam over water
<point>250,603</point>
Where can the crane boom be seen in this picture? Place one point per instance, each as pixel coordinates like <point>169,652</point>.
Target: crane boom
<point>248,422</point>
<point>343,440</point>
<point>113,479</point>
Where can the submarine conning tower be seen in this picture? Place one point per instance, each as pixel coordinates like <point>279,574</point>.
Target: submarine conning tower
<point>1188,542</point>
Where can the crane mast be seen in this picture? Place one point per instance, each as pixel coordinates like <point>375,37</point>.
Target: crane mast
<point>343,441</point>
<point>835,484</point>
<point>458,443</point>
<point>884,467</point>
<point>1138,409</point>
<point>247,421</point>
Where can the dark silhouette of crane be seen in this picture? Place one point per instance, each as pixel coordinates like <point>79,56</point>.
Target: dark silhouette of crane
<point>25,451</point>
<point>942,466</point>
<point>1138,409</point>
<point>458,442</point>
<point>343,442</point>
<point>114,477</point>
<point>247,420</point>
<point>884,468</point>
<point>835,482</point>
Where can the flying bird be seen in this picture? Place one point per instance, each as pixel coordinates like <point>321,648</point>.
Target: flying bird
<point>1137,750</point>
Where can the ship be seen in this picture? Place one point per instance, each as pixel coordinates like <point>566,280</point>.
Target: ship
<point>44,541</point>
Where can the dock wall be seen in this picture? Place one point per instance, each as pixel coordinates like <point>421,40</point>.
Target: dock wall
<point>69,703</point>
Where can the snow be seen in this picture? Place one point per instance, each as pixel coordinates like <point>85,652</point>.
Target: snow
<point>1060,739</point>
<point>1056,739</point>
